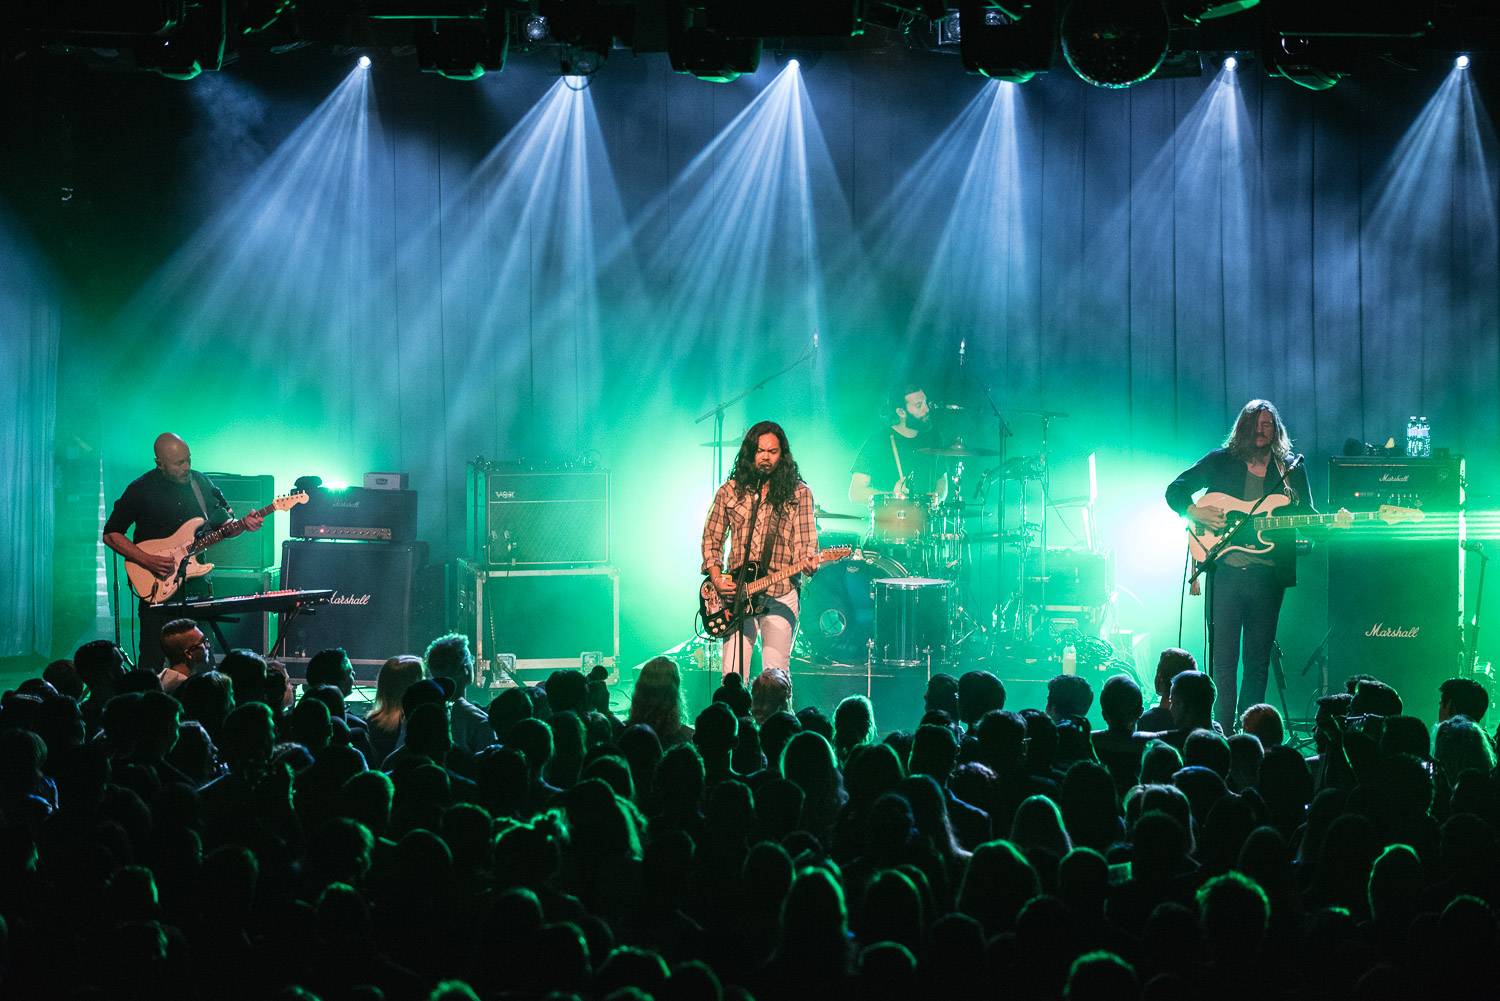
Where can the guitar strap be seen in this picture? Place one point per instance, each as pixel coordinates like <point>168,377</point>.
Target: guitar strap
<point>198,493</point>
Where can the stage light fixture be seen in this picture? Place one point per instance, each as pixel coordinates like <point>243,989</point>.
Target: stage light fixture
<point>1462,62</point>
<point>537,28</point>
<point>1013,47</point>
<point>585,31</point>
<point>1231,63</point>
<point>1115,43</point>
<point>705,52</point>
<point>794,64</point>
<point>463,50</point>
<point>1207,10</point>
<point>364,62</point>
<point>194,45</point>
<point>1316,64</point>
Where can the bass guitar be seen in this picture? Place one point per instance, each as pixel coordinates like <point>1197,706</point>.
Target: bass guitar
<point>1251,539</point>
<point>721,615</point>
<point>183,546</point>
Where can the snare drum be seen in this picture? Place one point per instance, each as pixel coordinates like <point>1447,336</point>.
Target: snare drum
<point>897,521</point>
<point>912,623</point>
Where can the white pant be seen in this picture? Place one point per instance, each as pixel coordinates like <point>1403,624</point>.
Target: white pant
<point>776,628</point>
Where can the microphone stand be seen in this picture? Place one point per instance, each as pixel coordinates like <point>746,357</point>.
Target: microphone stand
<point>717,413</point>
<point>1004,432</point>
<point>1471,658</point>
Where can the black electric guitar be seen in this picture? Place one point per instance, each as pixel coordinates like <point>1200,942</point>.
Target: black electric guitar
<point>721,615</point>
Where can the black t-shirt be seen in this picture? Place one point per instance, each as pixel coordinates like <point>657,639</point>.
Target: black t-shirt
<point>876,461</point>
<point>157,507</point>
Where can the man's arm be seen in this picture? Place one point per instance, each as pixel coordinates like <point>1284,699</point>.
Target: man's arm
<point>121,517</point>
<point>805,531</point>
<point>1180,494</point>
<point>715,528</point>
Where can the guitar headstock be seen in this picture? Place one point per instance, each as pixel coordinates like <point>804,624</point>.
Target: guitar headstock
<point>833,553</point>
<point>288,501</point>
<point>1393,515</point>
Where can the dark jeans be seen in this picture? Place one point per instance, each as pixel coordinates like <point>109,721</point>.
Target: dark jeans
<point>1246,604</point>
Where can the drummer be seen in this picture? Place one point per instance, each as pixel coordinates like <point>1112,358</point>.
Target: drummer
<point>890,461</point>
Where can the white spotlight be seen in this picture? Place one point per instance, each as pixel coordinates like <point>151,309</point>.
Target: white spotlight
<point>793,64</point>
<point>1462,62</point>
<point>364,62</point>
<point>1230,63</point>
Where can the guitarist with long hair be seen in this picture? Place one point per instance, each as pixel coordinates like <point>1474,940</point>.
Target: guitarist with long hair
<point>765,514</point>
<point>157,503</point>
<point>1245,589</point>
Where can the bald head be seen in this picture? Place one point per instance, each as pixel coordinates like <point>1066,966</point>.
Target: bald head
<point>173,457</point>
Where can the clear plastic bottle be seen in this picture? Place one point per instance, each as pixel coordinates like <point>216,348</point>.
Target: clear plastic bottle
<point>1418,438</point>
<point>1070,659</point>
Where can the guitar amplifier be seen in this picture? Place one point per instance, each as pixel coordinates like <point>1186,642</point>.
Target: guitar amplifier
<point>547,619</point>
<point>540,518</point>
<point>357,513</point>
<point>1364,482</point>
<point>248,550</point>
<point>1396,596</point>
<point>381,605</point>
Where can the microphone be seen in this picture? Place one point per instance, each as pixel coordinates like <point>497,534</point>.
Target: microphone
<point>223,503</point>
<point>1473,546</point>
<point>1296,461</point>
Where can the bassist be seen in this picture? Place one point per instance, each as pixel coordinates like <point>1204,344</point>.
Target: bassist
<point>157,503</point>
<point>765,513</point>
<point>1245,590</point>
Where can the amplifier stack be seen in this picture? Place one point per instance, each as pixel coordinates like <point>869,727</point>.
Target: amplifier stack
<point>1396,599</point>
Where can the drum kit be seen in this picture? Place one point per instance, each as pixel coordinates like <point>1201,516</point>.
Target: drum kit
<point>903,601</point>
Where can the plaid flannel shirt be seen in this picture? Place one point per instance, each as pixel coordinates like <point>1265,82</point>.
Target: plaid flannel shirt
<point>796,535</point>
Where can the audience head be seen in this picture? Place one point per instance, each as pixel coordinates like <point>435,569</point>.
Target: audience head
<point>1159,763</point>
<point>396,675</point>
<point>101,665</point>
<point>770,693</point>
<point>331,667</point>
<point>567,691</point>
<point>1374,698</point>
<point>507,709</point>
<point>1460,746</point>
<point>1192,698</point>
<point>657,700</point>
<point>1265,722</point>
<point>247,674</point>
<point>64,677</point>
<point>732,693</point>
<point>853,725</point>
<point>979,692</point>
<point>1069,695</point>
<point>448,657</point>
<point>1120,703</point>
<point>715,730</point>
<point>1462,697</point>
<point>941,695</point>
<point>184,645</point>
<point>1172,662</point>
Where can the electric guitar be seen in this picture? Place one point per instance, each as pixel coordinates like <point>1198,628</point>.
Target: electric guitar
<point>721,617</point>
<point>183,546</point>
<point>1251,539</point>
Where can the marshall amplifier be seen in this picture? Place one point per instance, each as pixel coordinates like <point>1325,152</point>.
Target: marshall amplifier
<point>378,606</point>
<point>249,550</point>
<point>1363,483</point>
<point>357,513</point>
<point>540,519</point>
<point>1396,594</point>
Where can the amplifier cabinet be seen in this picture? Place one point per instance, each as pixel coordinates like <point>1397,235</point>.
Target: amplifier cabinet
<point>377,609</point>
<point>540,519</point>
<point>345,513</point>
<point>1364,482</point>
<point>250,550</point>
<point>546,618</point>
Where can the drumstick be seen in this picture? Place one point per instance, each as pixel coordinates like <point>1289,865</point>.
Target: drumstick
<point>895,454</point>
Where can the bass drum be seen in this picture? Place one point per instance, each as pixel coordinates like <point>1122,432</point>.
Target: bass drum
<point>836,620</point>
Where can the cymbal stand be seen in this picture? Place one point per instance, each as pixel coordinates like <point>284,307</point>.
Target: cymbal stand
<point>1003,432</point>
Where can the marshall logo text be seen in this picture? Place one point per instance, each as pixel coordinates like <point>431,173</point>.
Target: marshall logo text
<point>1382,631</point>
<point>349,599</point>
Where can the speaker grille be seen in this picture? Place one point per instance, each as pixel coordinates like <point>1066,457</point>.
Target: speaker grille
<point>547,519</point>
<point>370,613</point>
<point>248,550</point>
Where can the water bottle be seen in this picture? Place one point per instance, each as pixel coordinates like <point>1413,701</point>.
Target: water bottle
<point>1418,438</point>
<point>1070,659</point>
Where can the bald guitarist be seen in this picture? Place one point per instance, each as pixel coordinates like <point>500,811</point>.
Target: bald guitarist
<point>1245,588</point>
<point>157,503</point>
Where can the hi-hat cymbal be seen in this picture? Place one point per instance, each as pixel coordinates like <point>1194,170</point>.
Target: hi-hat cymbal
<point>718,444</point>
<point>821,514</point>
<point>1047,414</point>
<point>958,451</point>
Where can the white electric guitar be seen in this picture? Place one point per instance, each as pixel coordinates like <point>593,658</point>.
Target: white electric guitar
<point>183,546</point>
<point>1251,539</point>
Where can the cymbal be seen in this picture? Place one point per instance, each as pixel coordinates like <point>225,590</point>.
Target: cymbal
<point>820,514</point>
<point>958,451</point>
<point>718,444</point>
<point>1047,414</point>
<point>1023,467</point>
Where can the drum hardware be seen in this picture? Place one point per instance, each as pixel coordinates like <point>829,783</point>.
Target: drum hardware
<point>820,514</point>
<point>958,451</point>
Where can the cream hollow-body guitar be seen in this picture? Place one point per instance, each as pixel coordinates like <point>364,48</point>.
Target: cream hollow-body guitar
<point>1251,539</point>
<point>183,546</point>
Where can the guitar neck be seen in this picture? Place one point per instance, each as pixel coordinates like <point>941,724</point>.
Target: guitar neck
<point>218,535</point>
<point>757,586</point>
<point>1272,522</point>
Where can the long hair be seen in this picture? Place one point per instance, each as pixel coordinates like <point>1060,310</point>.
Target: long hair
<point>657,700</point>
<point>395,677</point>
<point>784,478</point>
<point>1241,439</point>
